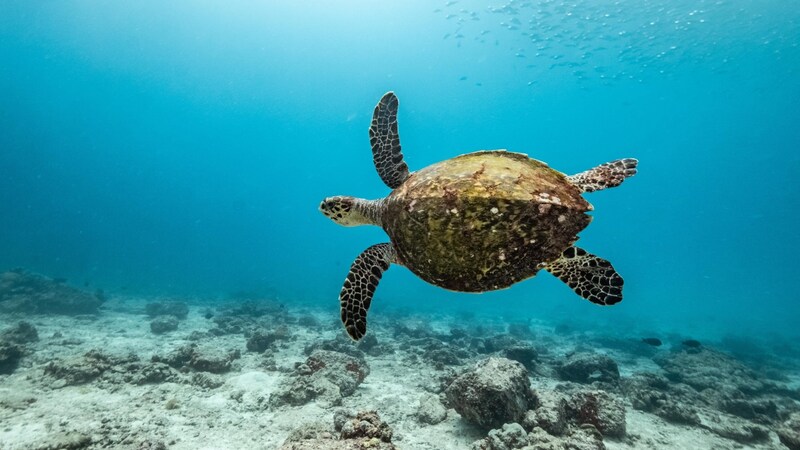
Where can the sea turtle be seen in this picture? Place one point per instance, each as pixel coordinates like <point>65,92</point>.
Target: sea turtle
<point>477,222</point>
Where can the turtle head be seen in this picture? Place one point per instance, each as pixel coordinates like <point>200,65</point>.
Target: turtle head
<point>351,211</point>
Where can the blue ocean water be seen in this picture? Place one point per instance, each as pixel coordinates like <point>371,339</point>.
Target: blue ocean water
<point>183,148</point>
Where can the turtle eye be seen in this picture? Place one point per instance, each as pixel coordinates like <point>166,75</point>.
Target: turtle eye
<point>336,207</point>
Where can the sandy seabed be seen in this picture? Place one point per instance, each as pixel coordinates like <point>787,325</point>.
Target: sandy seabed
<point>44,406</point>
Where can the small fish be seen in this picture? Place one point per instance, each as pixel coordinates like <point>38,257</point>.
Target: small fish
<point>655,342</point>
<point>691,343</point>
<point>462,78</point>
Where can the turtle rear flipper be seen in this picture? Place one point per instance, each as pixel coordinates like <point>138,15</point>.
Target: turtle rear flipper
<point>604,176</point>
<point>591,277</point>
<point>360,285</point>
<point>385,141</point>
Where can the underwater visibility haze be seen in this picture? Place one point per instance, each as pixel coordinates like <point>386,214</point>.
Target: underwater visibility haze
<point>154,155</point>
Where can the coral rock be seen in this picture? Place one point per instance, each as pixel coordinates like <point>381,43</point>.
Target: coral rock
<point>654,393</point>
<point>598,408</point>
<point>177,309</point>
<point>325,375</point>
<point>578,439</point>
<point>71,440</point>
<point>789,432</point>
<point>493,392</point>
<point>12,345</point>
<point>513,437</point>
<point>588,368</point>
<point>359,431</point>
<point>86,368</point>
<point>524,354</point>
<point>341,344</point>
<point>760,410</point>
<point>25,292</point>
<point>549,415</point>
<point>500,342</point>
<point>510,437</point>
<point>261,340</point>
<point>738,430</point>
<point>431,411</point>
<point>200,358</point>
<point>707,368</point>
<point>164,324</point>
<point>22,333</point>
<point>366,424</point>
<point>10,355</point>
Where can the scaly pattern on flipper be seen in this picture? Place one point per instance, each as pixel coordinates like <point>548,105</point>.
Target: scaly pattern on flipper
<point>604,176</point>
<point>385,142</point>
<point>360,285</point>
<point>590,276</point>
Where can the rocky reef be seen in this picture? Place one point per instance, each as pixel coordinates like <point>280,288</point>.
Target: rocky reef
<point>513,436</point>
<point>587,368</point>
<point>109,369</point>
<point>326,376</point>
<point>200,358</point>
<point>493,392</point>
<point>360,431</point>
<point>13,345</point>
<point>705,388</point>
<point>30,293</point>
<point>165,316</point>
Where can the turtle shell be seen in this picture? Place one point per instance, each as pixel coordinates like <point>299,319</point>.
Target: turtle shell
<point>483,221</point>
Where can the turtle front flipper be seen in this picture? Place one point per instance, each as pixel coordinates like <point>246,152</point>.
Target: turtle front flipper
<point>385,141</point>
<point>604,176</point>
<point>591,277</point>
<point>360,285</point>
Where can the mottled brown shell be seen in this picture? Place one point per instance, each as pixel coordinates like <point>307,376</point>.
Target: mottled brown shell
<point>484,220</point>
